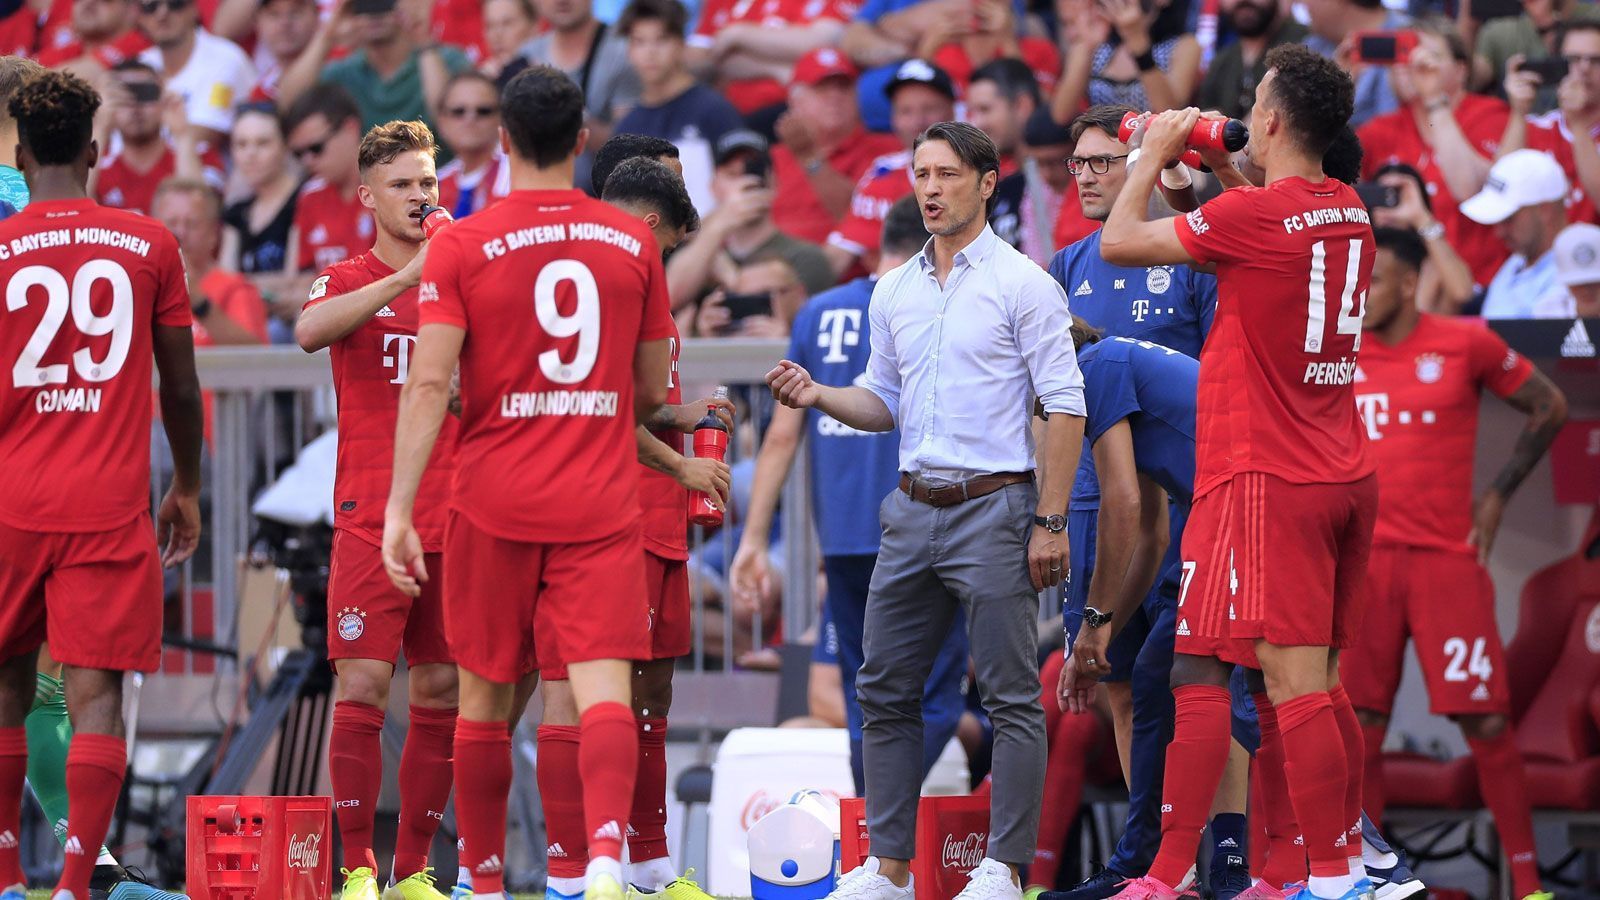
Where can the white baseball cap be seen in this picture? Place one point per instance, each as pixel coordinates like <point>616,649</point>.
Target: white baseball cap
<point>1577,252</point>
<point>1519,179</point>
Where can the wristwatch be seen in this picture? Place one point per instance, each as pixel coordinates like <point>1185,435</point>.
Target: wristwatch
<point>1433,232</point>
<point>1052,524</point>
<point>1094,618</point>
<point>202,309</point>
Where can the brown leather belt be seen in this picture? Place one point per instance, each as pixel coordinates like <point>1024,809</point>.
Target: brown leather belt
<point>961,491</point>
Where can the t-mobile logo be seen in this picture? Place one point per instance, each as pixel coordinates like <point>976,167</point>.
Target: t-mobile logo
<point>1374,409</point>
<point>840,328</point>
<point>1141,308</point>
<point>400,360</point>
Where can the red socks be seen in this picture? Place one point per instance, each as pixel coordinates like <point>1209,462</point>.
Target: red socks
<point>1373,799</point>
<point>95,766</point>
<point>1286,852</point>
<point>483,782</point>
<point>1504,786</point>
<point>1070,742</point>
<point>1195,760</point>
<point>1355,762</point>
<point>608,761</point>
<point>1315,764</point>
<point>425,777</point>
<point>355,768</point>
<point>13,770</point>
<point>561,792</point>
<point>647,822</point>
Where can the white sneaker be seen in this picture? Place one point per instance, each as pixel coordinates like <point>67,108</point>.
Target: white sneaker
<point>865,883</point>
<point>991,880</point>
<point>1188,879</point>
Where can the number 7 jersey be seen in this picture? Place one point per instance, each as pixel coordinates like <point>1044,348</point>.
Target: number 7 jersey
<point>85,286</point>
<point>555,291</point>
<point>1276,374</point>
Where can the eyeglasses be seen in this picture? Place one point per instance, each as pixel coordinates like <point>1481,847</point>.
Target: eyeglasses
<point>151,7</point>
<point>311,150</point>
<point>461,112</point>
<point>1099,165</point>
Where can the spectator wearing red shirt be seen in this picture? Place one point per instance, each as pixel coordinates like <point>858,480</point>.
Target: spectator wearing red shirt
<point>962,45</point>
<point>507,25</point>
<point>330,224</point>
<point>139,111</point>
<point>283,30</point>
<point>227,308</point>
<point>823,148</point>
<point>1447,134</point>
<point>101,30</point>
<point>920,95</point>
<point>1577,112</point>
<point>751,48</point>
<point>469,123</point>
<point>1049,195</point>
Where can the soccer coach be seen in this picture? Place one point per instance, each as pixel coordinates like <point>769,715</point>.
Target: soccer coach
<point>964,335</point>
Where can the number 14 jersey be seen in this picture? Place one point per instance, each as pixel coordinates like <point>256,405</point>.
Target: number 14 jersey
<point>555,291</point>
<point>1277,372</point>
<point>85,286</point>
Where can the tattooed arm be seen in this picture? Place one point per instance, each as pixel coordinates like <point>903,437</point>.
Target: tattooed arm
<point>1546,409</point>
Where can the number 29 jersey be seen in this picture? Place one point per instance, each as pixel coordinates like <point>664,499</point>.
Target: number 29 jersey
<point>1294,260</point>
<point>555,291</point>
<point>84,288</point>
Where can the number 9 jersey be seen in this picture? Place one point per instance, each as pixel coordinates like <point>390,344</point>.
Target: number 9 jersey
<point>555,291</point>
<point>1277,371</point>
<point>85,286</point>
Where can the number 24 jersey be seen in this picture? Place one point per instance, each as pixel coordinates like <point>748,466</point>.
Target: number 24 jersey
<point>555,291</point>
<point>1294,260</point>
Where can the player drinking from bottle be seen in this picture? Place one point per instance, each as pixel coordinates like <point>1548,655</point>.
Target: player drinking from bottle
<point>365,310</point>
<point>555,306</point>
<point>1280,458</point>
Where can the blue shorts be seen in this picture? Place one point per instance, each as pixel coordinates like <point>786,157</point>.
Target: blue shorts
<point>1082,529</point>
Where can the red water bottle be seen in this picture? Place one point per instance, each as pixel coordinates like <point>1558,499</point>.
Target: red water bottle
<point>433,219</point>
<point>710,441</point>
<point>1208,134</point>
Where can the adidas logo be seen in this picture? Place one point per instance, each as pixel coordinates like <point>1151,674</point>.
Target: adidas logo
<point>633,832</point>
<point>1183,628</point>
<point>610,831</point>
<point>1577,343</point>
<point>8,841</point>
<point>386,313</point>
<point>1228,843</point>
<point>1083,290</point>
<point>488,866</point>
<point>73,846</point>
<point>556,851</point>
<point>1343,841</point>
<point>1481,692</point>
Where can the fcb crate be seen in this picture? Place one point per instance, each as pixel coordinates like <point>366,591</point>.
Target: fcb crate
<point>260,848</point>
<point>952,838</point>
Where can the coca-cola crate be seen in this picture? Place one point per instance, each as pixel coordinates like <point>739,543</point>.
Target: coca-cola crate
<point>952,837</point>
<point>260,848</point>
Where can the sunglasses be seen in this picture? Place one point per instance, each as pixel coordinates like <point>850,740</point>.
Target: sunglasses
<point>461,112</point>
<point>151,7</point>
<point>311,151</point>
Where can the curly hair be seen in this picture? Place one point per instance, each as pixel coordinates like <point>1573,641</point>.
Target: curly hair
<point>1342,160</point>
<point>1313,93</point>
<point>648,182</point>
<point>55,117</point>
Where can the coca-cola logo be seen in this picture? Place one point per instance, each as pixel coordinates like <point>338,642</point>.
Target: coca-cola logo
<point>963,854</point>
<point>305,852</point>
<point>760,803</point>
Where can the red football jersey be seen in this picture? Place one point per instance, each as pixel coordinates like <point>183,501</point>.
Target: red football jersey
<point>796,209</point>
<point>750,94</point>
<point>332,229</point>
<point>120,185</point>
<point>1394,137</point>
<point>1293,263</point>
<point>555,291</point>
<point>664,501</point>
<point>1550,133</point>
<point>861,230</point>
<point>85,287</point>
<point>129,45</point>
<point>1419,402</point>
<point>369,369</point>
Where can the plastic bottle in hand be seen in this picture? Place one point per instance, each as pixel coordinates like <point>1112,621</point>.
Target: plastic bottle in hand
<point>434,218</point>
<point>1208,134</point>
<point>710,441</point>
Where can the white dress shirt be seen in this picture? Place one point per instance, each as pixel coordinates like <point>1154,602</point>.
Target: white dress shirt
<point>959,366</point>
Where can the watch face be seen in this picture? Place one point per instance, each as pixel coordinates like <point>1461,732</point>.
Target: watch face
<point>1056,523</point>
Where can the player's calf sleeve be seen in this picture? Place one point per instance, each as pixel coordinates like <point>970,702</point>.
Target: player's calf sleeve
<point>1070,742</point>
<point>1315,763</point>
<point>1285,861</point>
<point>425,780</point>
<point>1355,766</point>
<point>647,821</point>
<point>1504,785</point>
<point>1373,798</point>
<point>561,793</point>
<point>1195,760</point>
<point>13,769</point>
<point>608,760</point>
<point>483,782</point>
<point>96,764</point>
<point>355,769</point>
<point>49,735</point>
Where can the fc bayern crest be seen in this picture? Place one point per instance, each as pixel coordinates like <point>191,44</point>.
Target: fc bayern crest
<point>352,623</point>
<point>1157,279</point>
<point>1430,368</point>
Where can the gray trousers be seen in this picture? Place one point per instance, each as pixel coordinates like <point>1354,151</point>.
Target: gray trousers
<point>974,554</point>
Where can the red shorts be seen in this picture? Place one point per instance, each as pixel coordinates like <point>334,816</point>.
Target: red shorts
<point>95,595</point>
<point>509,604</point>
<point>370,618</point>
<point>666,584</point>
<point>1444,602</point>
<point>1267,559</point>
